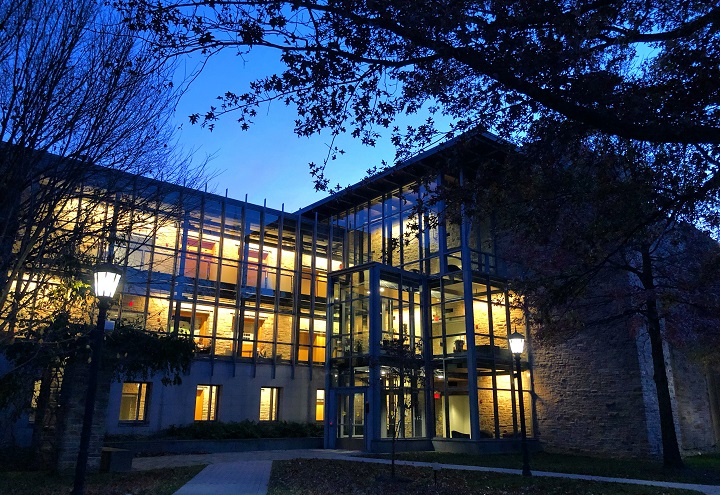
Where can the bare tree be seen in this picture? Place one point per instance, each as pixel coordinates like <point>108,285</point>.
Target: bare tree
<point>85,120</point>
<point>88,171</point>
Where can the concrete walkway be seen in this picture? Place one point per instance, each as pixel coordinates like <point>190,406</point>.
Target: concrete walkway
<point>232,473</point>
<point>248,473</point>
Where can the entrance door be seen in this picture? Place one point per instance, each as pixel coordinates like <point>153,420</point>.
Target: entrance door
<point>351,419</point>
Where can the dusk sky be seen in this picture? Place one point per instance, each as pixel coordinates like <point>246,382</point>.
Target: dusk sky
<point>268,161</point>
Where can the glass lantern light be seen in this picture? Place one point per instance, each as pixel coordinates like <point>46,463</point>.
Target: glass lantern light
<point>107,278</point>
<point>517,343</point>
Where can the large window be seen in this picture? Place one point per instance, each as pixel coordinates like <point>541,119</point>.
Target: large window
<point>269,403</point>
<point>133,403</point>
<point>206,402</point>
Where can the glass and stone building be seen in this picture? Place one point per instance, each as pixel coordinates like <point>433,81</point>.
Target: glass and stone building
<point>330,314</point>
<point>339,314</point>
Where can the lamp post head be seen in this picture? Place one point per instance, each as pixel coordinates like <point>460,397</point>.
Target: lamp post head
<point>517,343</point>
<point>107,278</point>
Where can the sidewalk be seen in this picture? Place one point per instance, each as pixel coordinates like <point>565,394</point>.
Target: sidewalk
<point>232,473</point>
<point>248,473</point>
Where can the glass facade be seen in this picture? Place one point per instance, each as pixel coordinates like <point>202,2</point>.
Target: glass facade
<point>406,316</point>
<point>247,283</point>
<point>418,342</point>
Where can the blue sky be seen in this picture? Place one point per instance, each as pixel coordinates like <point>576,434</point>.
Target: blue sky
<point>268,162</point>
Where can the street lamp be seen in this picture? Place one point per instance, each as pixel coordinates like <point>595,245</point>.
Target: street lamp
<point>107,278</point>
<point>517,345</point>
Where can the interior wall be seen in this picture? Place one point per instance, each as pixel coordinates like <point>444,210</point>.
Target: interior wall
<point>459,414</point>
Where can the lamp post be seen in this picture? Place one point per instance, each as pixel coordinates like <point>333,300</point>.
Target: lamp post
<point>517,345</point>
<point>107,278</point>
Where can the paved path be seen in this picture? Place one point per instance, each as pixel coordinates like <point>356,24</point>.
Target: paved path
<point>230,478</point>
<point>248,473</point>
<point>231,473</point>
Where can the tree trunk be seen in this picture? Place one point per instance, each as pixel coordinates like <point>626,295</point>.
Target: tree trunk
<point>671,450</point>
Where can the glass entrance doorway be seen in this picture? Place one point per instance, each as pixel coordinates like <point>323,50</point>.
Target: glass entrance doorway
<point>351,408</point>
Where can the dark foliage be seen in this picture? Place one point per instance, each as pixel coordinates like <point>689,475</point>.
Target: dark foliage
<point>643,71</point>
<point>134,353</point>
<point>129,352</point>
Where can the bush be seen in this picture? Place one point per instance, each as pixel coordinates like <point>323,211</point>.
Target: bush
<point>243,429</point>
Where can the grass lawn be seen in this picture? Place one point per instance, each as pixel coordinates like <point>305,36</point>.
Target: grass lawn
<point>325,477</point>
<point>156,482</point>
<point>703,469</point>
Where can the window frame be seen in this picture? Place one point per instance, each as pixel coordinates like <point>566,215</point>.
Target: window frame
<point>274,404</point>
<point>142,402</point>
<point>213,403</point>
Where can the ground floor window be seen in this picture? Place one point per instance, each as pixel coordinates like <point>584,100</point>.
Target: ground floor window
<point>269,403</point>
<point>320,405</point>
<point>206,402</point>
<point>133,403</point>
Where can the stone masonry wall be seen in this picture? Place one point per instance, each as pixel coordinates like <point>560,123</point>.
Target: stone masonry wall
<point>589,396</point>
<point>693,404</point>
<point>72,407</point>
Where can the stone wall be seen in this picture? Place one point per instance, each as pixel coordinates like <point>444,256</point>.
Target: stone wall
<point>72,408</point>
<point>693,410</point>
<point>589,395</point>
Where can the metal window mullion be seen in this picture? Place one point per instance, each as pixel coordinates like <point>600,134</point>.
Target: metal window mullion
<point>491,331</point>
<point>313,291</point>
<point>258,283</point>
<point>151,262</point>
<point>513,398</point>
<point>180,250</point>
<point>531,388</point>
<point>239,325</point>
<point>197,273</point>
<point>427,352</point>
<point>466,271</point>
<point>276,291</point>
<point>384,255</point>
<point>346,243</point>
<point>218,277</point>
<point>297,277</point>
<point>443,330</point>
<point>401,230</point>
<point>329,298</point>
<point>368,227</point>
<point>139,401</point>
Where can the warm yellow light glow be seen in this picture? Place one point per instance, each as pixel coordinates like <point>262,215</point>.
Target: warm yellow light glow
<point>318,325</point>
<point>321,262</point>
<point>502,382</point>
<point>269,250</point>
